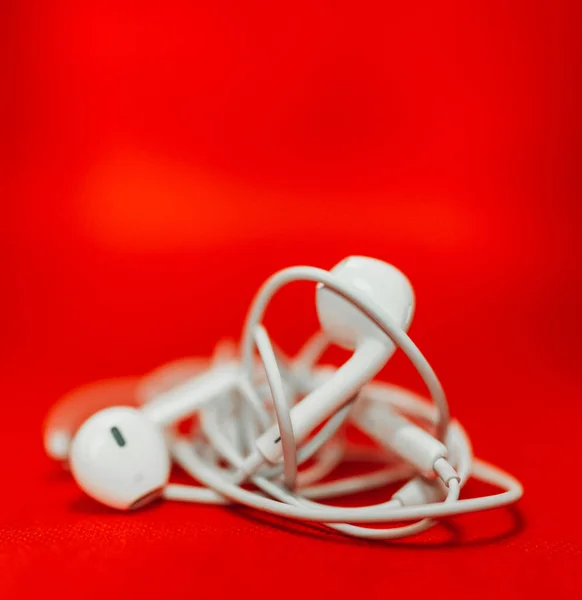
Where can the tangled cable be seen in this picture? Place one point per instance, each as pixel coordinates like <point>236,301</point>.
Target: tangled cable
<point>229,427</point>
<point>269,431</point>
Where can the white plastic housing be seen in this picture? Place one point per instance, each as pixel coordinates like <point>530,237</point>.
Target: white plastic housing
<point>380,282</point>
<point>396,433</point>
<point>326,399</point>
<point>119,457</point>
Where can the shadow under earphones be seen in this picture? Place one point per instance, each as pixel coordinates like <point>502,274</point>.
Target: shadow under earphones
<point>482,529</point>
<point>489,527</point>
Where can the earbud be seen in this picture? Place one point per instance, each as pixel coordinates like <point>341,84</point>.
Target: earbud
<point>119,456</point>
<point>383,284</point>
<point>345,324</point>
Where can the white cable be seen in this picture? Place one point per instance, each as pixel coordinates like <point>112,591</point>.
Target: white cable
<point>219,490</point>
<point>220,440</point>
<point>290,489</point>
<point>192,463</point>
<point>280,404</point>
<point>388,513</point>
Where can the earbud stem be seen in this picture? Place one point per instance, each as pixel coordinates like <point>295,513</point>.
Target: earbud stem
<point>181,401</point>
<point>368,358</point>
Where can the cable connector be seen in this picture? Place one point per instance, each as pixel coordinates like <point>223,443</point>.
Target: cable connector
<point>399,435</point>
<point>445,471</point>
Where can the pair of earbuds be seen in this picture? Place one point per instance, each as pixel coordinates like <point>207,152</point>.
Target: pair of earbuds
<point>269,430</point>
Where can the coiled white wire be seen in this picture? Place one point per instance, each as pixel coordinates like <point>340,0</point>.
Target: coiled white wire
<point>221,453</point>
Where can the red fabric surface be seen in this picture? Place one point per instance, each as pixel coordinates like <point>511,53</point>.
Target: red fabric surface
<point>163,159</point>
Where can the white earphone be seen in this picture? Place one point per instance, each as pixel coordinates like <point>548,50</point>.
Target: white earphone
<point>255,420</point>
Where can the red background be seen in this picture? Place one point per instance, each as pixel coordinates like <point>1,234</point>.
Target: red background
<point>161,160</point>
